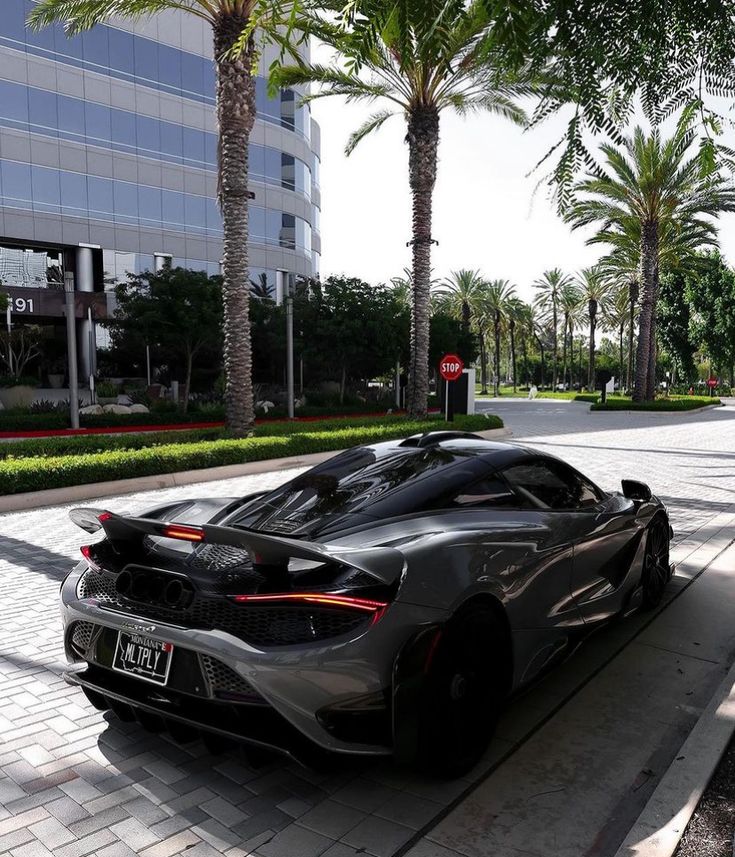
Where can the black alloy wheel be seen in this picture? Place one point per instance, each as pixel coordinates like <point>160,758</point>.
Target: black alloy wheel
<point>463,693</point>
<point>656,568</point>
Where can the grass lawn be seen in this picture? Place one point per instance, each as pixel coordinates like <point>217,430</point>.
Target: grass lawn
<point>43,463</point>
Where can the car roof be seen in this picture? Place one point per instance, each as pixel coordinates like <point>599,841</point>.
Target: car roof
<point>496,453</point>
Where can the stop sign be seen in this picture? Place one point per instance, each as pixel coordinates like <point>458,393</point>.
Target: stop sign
<point>451,367</point>
<point>712,382</point>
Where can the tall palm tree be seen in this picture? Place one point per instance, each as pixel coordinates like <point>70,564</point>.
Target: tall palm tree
<point>570,299</point>
<point>595,291</point>
<point>462,293</point>
<point>549,287</point>
<point>232,23</point>
<point>516,314</point>
<point>418,58</point>
<point>498,295</point>
<point>649,187</point>
<point>615,318</point>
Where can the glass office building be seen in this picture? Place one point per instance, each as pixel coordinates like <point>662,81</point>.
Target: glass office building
<point>108,153</point>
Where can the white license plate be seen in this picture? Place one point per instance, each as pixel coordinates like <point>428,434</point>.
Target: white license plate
<point>142,657</point>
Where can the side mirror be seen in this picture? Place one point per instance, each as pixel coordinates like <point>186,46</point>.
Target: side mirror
<point>634,490</point>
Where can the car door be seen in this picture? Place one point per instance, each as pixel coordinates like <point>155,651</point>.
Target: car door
<point>604,533</point>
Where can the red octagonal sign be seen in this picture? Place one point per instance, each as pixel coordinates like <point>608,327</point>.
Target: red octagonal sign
<point>451,367</point>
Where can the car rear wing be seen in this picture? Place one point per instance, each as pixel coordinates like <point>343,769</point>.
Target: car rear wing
<point>266,551</point>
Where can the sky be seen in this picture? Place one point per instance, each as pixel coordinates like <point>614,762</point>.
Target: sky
<point>488,212</point>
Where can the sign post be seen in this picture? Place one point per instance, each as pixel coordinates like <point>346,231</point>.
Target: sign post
<point>711,383</point>
<point>603,377</point>
<point>451,367</point>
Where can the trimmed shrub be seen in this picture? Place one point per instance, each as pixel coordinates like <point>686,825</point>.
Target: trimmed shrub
<point>674,403</point>
<point>34,473</point>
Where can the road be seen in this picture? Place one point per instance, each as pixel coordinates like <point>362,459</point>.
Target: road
<point>74,783</point>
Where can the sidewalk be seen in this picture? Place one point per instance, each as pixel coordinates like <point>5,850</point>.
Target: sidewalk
<point>579,771</point>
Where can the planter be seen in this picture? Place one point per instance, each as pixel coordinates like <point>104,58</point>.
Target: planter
<point>16,397</point>
<point>56,382</point>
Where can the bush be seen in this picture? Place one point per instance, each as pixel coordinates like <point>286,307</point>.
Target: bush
<point>57,471</point>
<point>673,403</point>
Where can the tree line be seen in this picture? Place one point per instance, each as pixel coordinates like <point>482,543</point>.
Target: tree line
<point>420,58</point>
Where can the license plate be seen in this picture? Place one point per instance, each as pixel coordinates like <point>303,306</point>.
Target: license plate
<point>142,657</point>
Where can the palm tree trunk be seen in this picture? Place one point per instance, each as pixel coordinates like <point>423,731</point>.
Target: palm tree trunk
<point>423,141</point>
<point>524,355</point>
<point>496,373</point>
<point>649,256</point>
<point>187,380</point>
<point>651,377</point>
<point>555,372</point>
<point>483,365</point>
<point>593,324</point>
<point>513,353</point>
<point>633,294</point>
<point>235,116</point>
<point>622,359</point>
<point>564,353</point>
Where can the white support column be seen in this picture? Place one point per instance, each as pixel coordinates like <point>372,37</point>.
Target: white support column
<point>85,329</point>
<point>161,261</point>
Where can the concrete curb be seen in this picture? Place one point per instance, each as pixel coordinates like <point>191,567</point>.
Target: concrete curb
<point>90,491</point>
<point>661,825</point>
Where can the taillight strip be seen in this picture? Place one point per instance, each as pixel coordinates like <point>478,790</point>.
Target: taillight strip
<point>181,531</point>
<point>324,599</point>
<point>87,554</point>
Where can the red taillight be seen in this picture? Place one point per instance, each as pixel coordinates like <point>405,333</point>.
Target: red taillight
<point>87,554</point>
<point>181,531</point>
<point>104,516</point>
<point>324,599</point>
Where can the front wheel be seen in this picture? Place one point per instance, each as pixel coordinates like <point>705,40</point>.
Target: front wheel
<point>463,693</point>
<point>656,568</point>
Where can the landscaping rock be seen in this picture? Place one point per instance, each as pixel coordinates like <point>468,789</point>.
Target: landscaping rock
<point>139,409</point>
<point>116,409</point>
<point>91,409</point>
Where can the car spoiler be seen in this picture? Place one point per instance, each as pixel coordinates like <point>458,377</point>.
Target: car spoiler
<point>269,553</point>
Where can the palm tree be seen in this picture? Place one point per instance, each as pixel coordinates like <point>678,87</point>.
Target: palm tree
<point>516,314</point>
<point>570,299</point>
<point>648,189</point>
<point>595,291</point>
<point>549,288</point>
<point>498,294</point>
<point>232,23</point>
<point>615,318</point>
<point>462,294</point>
<point>419,58</point>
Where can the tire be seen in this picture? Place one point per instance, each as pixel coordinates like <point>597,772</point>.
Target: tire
<point>464,689</point>
<point>656,568</point>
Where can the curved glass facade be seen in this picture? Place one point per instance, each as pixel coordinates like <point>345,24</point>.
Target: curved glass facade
<point>50,191</point>
<point>126,56</point>
<point>28,108</point>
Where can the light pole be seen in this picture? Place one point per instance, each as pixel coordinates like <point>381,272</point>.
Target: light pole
<point>71,349</point>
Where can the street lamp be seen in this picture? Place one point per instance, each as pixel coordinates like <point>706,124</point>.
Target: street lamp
<point>71,349</point>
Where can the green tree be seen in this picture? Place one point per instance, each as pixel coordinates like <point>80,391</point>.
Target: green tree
<point>232,23</point>
<point>496,306</point>
<point>550,287</point>
<point>177,310</point>
<point>672,324</point>
<point>647,188</point>
<point>594,291</point>
<point>710,293</point>
<point>461,296</point>
<point>570,300</point>
<point>419,58</point>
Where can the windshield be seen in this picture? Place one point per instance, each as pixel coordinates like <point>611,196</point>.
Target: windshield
<point>354,481</point>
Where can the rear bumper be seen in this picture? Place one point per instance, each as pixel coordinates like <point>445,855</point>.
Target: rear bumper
<point>294,688</point>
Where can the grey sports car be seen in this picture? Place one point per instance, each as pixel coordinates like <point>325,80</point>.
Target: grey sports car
<point>387,601</point>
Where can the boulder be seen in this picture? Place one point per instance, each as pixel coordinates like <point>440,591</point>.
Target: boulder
<point>91,409</point>
<point>116,409</point>
<point>138,409</point>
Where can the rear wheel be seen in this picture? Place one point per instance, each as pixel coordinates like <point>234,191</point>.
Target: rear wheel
<point>465,687</point>
<point>656,569</point>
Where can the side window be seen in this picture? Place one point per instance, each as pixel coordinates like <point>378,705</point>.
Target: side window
<point>552,484</point>
<point>488,493</point>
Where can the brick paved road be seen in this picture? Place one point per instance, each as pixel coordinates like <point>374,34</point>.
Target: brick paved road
<point>75,783</point>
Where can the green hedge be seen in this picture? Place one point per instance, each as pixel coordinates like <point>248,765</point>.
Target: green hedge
<point>674,403</point>
<point>36,473</point>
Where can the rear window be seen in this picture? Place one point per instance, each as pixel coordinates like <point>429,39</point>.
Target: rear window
<point>350,482</point>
